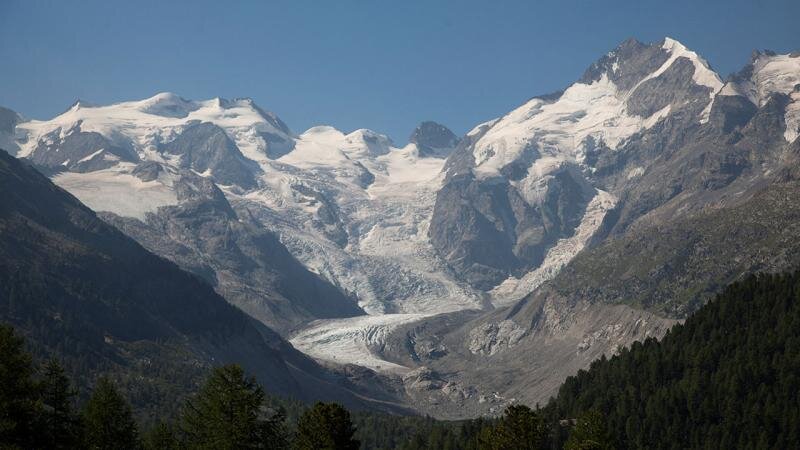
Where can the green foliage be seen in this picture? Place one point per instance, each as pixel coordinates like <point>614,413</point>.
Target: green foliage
<point>520,428</point>
<point>384,431</point>
<point>325,426</point>
<point>161,436</point>
<point>19,405</point>
<point>589,433</point>
<point>229,413</point>
<point>108,420</point>
<point>727,378</point>
<point>60,422</point>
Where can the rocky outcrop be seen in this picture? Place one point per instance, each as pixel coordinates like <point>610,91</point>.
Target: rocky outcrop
<point>487,229</point>
<point>245,263</point>
<point>78,151</point>
<point>205,148</point>
<point>433,139</point>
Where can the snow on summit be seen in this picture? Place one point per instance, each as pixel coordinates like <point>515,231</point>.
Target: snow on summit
<point>597,110</point>
<point>146,123</point>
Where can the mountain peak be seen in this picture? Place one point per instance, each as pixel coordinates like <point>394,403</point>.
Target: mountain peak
<point>627,63</point>
<point>433,139</point>
<point>167,104</point>
<point>670,44</point>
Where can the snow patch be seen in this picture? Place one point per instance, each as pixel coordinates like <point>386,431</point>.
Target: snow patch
<point>117,192</point>
<point>557,129</point>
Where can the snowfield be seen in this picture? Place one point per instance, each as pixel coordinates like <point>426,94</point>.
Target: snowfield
<point>116,191</point>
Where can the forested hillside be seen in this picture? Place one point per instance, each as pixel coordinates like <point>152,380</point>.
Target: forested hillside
<point>727,378</point>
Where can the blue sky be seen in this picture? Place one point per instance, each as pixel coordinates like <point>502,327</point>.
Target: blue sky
<point>384,65</point>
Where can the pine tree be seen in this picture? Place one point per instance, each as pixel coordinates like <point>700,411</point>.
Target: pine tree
<point>520,428</point>
<point>229,413</point>
<point>108,420</point>
<point>59,421</point>
<point>326,426</point>
<point>18,394</point>
<point>590,433</point>
<point>161,437</point>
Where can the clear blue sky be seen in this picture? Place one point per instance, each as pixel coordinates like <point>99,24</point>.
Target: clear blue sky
<point>384,65</point>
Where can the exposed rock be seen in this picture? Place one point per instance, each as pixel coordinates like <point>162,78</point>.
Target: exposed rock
<point>78,151</point>
<point>490,338</point>
<point>433,139</point>
<point>204,147</point>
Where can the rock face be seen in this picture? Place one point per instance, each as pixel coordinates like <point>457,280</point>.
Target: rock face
<point>487,230</point>
<point>204,147</point>
<point>78,151</point>
<point>8,122</point>
<point>247,264</point>
<point>519,184</point>
<point>433,139</point>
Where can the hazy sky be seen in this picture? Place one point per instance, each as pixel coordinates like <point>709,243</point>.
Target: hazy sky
<point>384,65</point>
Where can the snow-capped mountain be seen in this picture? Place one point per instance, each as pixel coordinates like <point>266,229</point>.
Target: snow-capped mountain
<point>360,249</point>
<point>351,207</point>
<point>526,191</point>
<point>698,180</point>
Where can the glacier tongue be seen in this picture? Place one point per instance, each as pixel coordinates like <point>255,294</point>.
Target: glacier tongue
<point>353,341</point>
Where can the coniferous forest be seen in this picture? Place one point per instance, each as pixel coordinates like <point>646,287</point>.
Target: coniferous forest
<point>726,378</point>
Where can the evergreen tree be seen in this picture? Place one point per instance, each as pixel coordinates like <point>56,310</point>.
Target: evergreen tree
<point>161,437</point>
<point>229,413</point>
<point>60,422</point>
<point>326,426</point>
<point>18,394</point>
<point>521,428</point>
<point>589,433</point>
<point>108,420</point>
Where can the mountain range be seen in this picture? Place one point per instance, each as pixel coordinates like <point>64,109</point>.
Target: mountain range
<point>471,272</point>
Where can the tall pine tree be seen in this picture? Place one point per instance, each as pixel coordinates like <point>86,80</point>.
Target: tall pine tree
<point>108,420</point>
<point>589,433</point>
<point>325,426</point>
<point>59,421</point>
<point>19,406</point>
<point>229,413</point>
<point>521,428</point>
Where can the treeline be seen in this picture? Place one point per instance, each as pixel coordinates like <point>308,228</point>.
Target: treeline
<point>729,377</point>
<point>231,411</point>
